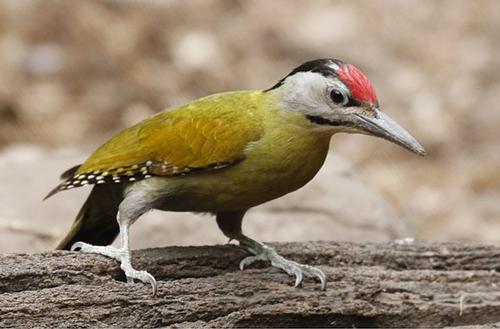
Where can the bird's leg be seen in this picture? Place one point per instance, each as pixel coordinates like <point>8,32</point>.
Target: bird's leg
<point>230,224</point>
<point>126,265</point>
<point>122,254</point>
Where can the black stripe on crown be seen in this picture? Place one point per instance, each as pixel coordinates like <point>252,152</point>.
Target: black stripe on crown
<point>322,66</point>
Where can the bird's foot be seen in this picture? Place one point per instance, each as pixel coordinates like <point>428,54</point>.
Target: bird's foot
<point>267,253</point>
<point>108,251</point>
<point>121,255</point>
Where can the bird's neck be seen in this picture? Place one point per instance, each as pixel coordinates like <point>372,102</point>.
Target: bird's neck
<point>289,151</point>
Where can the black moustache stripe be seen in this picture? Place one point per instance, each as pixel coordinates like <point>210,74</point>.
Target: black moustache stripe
<point>323,121</point>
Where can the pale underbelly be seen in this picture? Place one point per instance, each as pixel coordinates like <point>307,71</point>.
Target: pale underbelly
<point>234,188</point>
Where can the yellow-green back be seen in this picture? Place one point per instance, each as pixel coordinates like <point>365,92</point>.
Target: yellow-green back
<point>211,131</point>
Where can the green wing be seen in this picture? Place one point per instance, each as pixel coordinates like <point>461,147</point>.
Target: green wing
<point>208,134</point>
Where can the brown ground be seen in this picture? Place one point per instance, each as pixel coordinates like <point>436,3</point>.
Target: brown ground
<point>72,73</point>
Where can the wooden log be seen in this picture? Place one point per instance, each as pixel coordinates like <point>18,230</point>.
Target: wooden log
<point>420,284</point>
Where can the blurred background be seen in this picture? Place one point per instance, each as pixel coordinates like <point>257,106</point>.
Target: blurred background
<point>73,73</point>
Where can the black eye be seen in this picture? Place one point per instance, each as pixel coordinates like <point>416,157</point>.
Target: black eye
<point>338,97</point>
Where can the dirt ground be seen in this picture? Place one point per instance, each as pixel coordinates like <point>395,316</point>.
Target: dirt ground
<point>73,73</point>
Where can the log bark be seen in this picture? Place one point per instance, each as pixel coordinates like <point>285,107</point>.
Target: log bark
<point>420,284</point>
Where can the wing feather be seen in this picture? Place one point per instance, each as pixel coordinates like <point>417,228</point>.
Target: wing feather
<point>210,134</point>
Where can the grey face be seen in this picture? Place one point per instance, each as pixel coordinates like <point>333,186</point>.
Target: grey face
<point>326,98</point>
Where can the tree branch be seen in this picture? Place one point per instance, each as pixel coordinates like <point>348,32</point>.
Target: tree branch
<point>373,284</point>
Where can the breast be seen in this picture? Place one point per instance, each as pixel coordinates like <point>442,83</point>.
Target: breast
<point>280,163</point>
<point>276,167</point>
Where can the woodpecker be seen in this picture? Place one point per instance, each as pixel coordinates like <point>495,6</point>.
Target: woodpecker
<point>224,154</point>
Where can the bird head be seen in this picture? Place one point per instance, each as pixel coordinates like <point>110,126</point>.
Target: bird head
<point>337,97</point>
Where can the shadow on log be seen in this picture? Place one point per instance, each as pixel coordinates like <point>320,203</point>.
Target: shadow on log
<point>370,285</point>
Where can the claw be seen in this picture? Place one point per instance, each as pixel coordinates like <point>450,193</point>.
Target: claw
<point>144,277</point>
<point>298,278</point>
<point>153,283</point>
<point>321,276</point>
<point>77,245</point>
<point>290,267</point>
<point>124,258</point>
<point>244,262</point>
<point>247,261</point>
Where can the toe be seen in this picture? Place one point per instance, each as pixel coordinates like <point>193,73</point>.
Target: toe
<point>247,261</point>
<point>323,281</point>
<point>263,252</point>
<point>321,276</point>
<point>142,276</point>
<point>152,282</point>
<point>298,277</point>
<point>313,272</point>
<point>78,245</point>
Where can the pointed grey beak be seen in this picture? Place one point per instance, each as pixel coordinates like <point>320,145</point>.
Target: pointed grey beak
<point>381,125</point>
